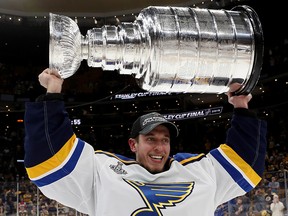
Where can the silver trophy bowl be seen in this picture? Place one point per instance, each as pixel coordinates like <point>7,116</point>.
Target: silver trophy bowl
<point>168,49</point>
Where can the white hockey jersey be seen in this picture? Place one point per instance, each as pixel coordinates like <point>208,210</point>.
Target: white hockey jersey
<point>99,183</point>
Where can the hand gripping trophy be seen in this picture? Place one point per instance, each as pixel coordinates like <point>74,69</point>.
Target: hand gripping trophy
<point>168,49</point>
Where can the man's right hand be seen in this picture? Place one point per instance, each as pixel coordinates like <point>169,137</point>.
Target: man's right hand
<point>51,80</point>
<point>238,101</point>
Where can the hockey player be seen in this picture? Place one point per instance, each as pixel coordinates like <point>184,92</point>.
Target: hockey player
<point>99,183</point>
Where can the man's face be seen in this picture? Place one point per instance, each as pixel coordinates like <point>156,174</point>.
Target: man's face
<point>152,150</point>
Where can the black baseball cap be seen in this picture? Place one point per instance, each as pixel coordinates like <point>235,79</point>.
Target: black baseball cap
<point>146,123</point>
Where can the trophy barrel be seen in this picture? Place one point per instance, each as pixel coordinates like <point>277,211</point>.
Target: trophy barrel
<point>202,51</point>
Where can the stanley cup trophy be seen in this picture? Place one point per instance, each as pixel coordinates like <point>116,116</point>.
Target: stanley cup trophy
<point>168,49</point>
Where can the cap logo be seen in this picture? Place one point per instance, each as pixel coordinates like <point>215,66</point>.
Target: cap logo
<point>153,119</point>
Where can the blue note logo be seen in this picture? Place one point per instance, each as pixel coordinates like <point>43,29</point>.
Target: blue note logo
<point>160,196</point>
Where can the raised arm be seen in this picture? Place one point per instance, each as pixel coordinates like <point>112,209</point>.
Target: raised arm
<point>239,163</point>
<point>54,156</point>
<point>247,135</point>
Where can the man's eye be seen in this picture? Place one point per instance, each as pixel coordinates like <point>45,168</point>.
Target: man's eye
<point>166,140</point>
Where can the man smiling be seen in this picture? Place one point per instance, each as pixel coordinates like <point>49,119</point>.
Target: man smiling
<point>150,141</point>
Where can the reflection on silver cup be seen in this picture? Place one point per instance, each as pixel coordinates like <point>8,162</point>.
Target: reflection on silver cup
<point>168,49</point>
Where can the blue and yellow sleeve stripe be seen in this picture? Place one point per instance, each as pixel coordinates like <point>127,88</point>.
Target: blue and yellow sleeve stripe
<point>241,172</point>
<point>59,165</point>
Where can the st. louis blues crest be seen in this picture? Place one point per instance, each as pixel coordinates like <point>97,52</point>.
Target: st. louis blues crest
<point>160,196</point>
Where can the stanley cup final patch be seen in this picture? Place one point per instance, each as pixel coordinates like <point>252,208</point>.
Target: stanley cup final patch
<point>118,168</point>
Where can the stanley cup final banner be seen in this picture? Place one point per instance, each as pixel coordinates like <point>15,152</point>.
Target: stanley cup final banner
<point>173,116</point>
<point>193,114</point>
